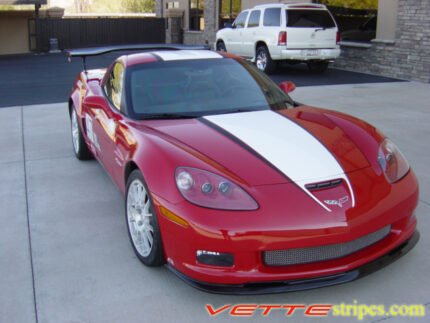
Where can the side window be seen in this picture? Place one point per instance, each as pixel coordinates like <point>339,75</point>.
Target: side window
<point>272,17</point>
<point>254,19</point>
<point>240,20</point>
<point>114,85</point>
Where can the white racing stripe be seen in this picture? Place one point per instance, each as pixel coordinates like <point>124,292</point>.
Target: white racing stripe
<point>177,55</point>
<point>286,145</point>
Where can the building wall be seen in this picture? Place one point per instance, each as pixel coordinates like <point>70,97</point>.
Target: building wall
<point>14,35</point>
<point>407,57</point>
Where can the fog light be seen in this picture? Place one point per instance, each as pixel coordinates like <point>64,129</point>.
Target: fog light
<point>214,258</point>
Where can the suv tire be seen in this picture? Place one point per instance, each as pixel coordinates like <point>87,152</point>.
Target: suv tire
<point>263,60</point>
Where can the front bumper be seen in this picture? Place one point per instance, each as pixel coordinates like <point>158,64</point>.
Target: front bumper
<point>303,284</point>
<point>290,222</point>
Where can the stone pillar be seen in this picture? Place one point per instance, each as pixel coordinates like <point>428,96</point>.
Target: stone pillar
<point>175,19</point>
<point>387,20</point>
<point>159,8</point>
<point>211,16</point>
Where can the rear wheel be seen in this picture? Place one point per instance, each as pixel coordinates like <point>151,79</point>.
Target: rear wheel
<point>318,67</point>
<point>220,46</point>
<point>79,145</point>
<point>142,224</point>
<point>264,61</point>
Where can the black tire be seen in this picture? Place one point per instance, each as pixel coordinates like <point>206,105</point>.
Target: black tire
<point>220,46</point>
<point>155,257</point>
<point>318,67</point>
<point>264,61</point>
<point>80,147</point>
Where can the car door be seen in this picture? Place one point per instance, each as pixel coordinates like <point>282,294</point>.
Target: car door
<point>250,33</point>
<point>105,120</point>
<point>234,38</point>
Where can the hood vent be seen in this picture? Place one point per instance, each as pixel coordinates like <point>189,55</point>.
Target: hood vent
<point>323,185</point>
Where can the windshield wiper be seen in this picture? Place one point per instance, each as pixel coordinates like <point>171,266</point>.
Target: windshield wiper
<point>169,116</point>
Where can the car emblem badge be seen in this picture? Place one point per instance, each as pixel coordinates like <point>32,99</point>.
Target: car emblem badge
<point>340,202</point>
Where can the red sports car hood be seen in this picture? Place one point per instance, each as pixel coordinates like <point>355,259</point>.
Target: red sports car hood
<point>303,145</point>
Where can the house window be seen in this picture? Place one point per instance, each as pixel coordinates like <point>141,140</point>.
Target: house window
<point>197,9</point>
<point>228,11</point>
<point>172,5</point>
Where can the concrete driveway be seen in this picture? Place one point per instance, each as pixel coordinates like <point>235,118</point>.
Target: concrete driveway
<point>64,251</point>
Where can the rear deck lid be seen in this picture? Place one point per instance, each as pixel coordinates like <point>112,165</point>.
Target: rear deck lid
<point>310,29</point>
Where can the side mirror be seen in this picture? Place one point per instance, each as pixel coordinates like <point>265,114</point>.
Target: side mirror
<point>287,86</point>
<point>95,101</point>
<point>98,102</point>
<point>228,25</point>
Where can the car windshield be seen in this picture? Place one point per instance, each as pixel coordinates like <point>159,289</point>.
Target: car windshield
<point>194,88</point>
<point>306,18</point>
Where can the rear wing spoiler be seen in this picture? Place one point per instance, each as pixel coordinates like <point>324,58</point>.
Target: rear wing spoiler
<point>95,51</point>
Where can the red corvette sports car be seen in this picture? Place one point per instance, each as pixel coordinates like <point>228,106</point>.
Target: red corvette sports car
<point>233,185</point>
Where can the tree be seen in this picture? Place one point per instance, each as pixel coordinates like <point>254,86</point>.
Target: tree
<point>354,4</point>
<point>139,5</point>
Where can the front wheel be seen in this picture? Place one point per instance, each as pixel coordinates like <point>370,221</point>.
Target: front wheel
<point>220,46</point>
<point>264,61</point>
<point>142,224</point>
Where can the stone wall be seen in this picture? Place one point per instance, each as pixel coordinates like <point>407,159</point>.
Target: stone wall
<point>211,26</point>
<point>408,57</point>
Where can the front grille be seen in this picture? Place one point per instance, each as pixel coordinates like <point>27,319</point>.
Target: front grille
<point>322,253</point>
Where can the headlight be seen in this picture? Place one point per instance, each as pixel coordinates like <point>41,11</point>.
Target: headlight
<point>392,162</point>
<point>206,189</point>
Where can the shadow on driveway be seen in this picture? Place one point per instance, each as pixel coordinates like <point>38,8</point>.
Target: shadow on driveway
<point>48,78</point>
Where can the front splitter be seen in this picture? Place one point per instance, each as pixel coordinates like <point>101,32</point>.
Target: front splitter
<point>302,284</point>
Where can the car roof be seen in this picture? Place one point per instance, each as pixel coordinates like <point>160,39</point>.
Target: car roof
<point>169,55</point>
<point>305,5</point>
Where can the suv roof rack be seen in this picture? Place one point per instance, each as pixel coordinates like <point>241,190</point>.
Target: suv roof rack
<point>293,5</point>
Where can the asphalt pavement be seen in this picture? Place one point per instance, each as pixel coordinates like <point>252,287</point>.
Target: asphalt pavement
<point>48,78</point>
<point>64,250</point>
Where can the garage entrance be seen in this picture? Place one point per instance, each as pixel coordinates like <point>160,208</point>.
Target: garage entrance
<point>87,32</point>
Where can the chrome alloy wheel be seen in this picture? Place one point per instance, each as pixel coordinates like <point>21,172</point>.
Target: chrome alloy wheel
<point>75,131</point>
<point>139,218</point>
<point>261,60</point>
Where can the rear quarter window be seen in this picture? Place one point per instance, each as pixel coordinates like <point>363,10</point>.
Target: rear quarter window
<point>309,19</point>
<point>272,17</point>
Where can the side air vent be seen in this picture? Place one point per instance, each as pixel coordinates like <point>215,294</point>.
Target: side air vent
<point>323,185</point>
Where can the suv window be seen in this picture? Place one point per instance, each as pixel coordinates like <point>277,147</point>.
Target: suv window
<point>272,17</point>
<point>309,18</point>
<point>240,20</point>
<point>254,19</point>
<point>114,85</point>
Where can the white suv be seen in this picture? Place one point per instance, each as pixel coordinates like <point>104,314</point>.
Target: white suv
<point>283,32</point>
